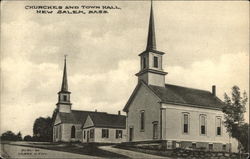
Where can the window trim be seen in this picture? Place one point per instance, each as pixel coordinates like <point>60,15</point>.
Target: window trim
<point>117,134</point>
<point>155,134</point>
<point>64,97</point>
<point>107,133</point>
<point>73,135</point>
<point>183,121</point>
<point>216,132</point>
<point>205,118</point>
<point>92,133</point>
<point>155,61</point>
<point>140,120</point>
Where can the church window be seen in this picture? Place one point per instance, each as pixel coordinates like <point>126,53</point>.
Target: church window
<point>203,124</point>
<point>92,131</point>
<point>218,126</point>
<point>105,133</point>
<point>144,62</point>
<point>118,134</point>
<point>73,132</point>
<point>155,130</point>
<point>84,134</point>
<point>142,120</point>
<point>155,61</point>
<point>185,122</point>
<point>64,97</point>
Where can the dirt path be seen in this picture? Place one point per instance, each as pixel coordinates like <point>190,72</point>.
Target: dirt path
<point>131,154</point>
<point>14,151</point>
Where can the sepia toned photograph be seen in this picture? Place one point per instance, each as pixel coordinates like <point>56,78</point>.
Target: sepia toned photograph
<point>124,79</point>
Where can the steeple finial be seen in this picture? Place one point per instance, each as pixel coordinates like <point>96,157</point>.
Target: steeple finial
<point>151,44</point>
<point>64,87</point>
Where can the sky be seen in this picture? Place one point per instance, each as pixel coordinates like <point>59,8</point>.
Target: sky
<point>206,43</point>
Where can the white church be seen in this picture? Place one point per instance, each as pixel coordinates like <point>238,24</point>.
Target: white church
<point>84,126</point>
<point>179,116</point>
<point>175,115</point>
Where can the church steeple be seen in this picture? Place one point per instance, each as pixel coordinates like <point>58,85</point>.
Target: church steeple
<point>64,87</point>
<point>151,71</point>
<point>151,44</point>
<point>64,104</point>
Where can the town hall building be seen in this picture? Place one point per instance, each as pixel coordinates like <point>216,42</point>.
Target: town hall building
<point>181,117</point>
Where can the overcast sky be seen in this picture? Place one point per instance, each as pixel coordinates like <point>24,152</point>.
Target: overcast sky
<point>206,43</point>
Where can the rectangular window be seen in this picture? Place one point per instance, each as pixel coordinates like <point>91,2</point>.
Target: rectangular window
<point>155,61</point>
<point>105,133</point>
<point>84,134</point>
<point>185,124</point>
<point>142,122</point>
<point>203,124</point>
<point>64,97</point>
<point>218,126</point>
<point>118,134</point>
<point>210,147</point>
<point>155,130</point>
<point>91,135</point>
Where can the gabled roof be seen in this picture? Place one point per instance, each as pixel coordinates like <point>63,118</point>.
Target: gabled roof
<point>76,116</point>
<point>178,95</point>
<point>108,120</point>
<point>187,96</point>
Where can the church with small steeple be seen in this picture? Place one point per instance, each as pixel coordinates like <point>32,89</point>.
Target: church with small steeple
<point>84,126</point>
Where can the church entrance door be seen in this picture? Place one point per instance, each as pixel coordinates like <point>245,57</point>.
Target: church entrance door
<point>87,136</point>
<point>131,133</point>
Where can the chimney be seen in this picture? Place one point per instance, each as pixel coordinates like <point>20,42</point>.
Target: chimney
<point>214,90</point>
<point>119,112</point>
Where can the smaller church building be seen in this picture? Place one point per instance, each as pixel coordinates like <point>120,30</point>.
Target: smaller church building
<point>84,126</point>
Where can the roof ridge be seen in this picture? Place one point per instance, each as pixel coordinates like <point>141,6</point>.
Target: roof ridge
<point>188,87</point>
<point>89,111</point>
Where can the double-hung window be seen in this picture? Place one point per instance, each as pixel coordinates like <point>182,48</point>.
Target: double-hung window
<point>105,133</point>
<point>218,126</point>
<point>203,124</point>
<point>185,123</point>
<point>142,120</point>
<point>118,134</point>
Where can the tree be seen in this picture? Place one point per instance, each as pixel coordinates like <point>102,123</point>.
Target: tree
<point>234,110</point>
<point>42,129</point>
<point>10,136</point>
<point>27,138</point>
<point>19,136</point>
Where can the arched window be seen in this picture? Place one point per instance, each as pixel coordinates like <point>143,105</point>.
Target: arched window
<point>203,124</point>
<point>73,132</point>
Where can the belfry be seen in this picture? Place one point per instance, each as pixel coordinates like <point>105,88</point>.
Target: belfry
<point>64,104</point>
<point>151,71</point>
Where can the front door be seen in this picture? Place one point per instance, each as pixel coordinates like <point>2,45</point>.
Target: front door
<point>131,133</point>
<point>87,136</point>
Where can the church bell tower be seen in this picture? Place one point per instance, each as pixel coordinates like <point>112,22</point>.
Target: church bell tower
<point>63,104</point>
<point>151,71</point>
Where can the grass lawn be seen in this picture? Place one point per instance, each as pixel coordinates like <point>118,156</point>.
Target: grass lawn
<point>78,148</point>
